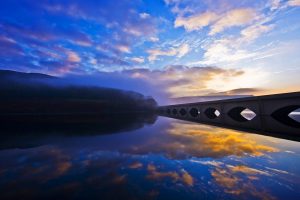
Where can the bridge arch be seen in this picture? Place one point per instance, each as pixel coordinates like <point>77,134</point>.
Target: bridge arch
<point>237,114</point>
<point>182,111</point>
<point>168,111</point>
<point>212,113</point>
<point>174,111</point>
<point>194,112</point>
<point>282,115</point>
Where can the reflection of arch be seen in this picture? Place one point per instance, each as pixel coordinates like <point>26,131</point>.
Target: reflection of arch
<point>169,111</point>
<point>182,111</point>
<point>174,111</point>
<point>212,113</point>
<point>282,115</point>
<point>236,114</point>
<point>194,112</point>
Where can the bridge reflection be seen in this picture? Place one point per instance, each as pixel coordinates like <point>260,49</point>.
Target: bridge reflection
<point>267,115</point>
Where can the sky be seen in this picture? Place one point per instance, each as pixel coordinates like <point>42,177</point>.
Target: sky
<point>162,48</point>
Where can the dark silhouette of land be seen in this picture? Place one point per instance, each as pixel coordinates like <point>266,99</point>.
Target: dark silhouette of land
<point>33,106</point>
<point>31,93</point>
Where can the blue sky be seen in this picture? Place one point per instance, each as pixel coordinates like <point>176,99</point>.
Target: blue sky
<point>165,48</point>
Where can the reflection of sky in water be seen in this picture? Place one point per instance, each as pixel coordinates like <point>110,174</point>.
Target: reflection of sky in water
<point>170,159</point>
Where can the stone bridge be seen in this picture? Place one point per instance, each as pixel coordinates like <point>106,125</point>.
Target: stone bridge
<point>270,113</point>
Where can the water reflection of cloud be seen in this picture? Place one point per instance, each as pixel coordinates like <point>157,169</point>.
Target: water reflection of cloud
<point>240,181</point>
<point>33,176</point>
<point>135,165</point>
<point>113,173</point>
<point>245,180</point>
<point>192,140</point>
<point>184,176</point>
<point>247,170</point>
<point>183,159</point>
<point>57,164</point>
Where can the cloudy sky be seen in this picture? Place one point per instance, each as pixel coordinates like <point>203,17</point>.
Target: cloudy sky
<point>169,48</point>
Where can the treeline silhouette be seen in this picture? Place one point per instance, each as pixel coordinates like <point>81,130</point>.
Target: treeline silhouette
<point>31,93</point>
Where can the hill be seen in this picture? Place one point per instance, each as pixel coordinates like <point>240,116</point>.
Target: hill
<point>33,93</point>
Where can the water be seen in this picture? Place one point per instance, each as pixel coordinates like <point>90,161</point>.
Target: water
<point>162,159</point>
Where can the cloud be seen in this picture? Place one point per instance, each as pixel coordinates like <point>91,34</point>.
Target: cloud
<point>44,44</point>
<point>178,52</point>
<point>154,39</point>
<point>60,60</point>
<point>138,60</point>
<point>218,22</point>
<point>73,57</point>
<point>170,1</point>
<point>172,81</point>
<point>84,35</point>
<point>234,48</point>
<point>9,47</point>
<point>231,49</point>
<point>252,32</point>
<point>105,61</point>
<point>275,4</point>
<point>43,32</point>
<point>225,50</point>
<point>6,39</point>
<point>154,53</point>
<point>126,21</point>
<point>123,48</point>
<point>239,91</point>
<point>182,80</point>
<point>49,59</point>
<point>101,40</point>
<point>235,17</point>
<point>183,50</point>
<point>293,2</point>
<point>114,48</point>
<point>196,22</point>
<point>144,15</point>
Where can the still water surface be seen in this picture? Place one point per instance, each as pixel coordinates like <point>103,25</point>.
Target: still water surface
<point>165,159</point>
